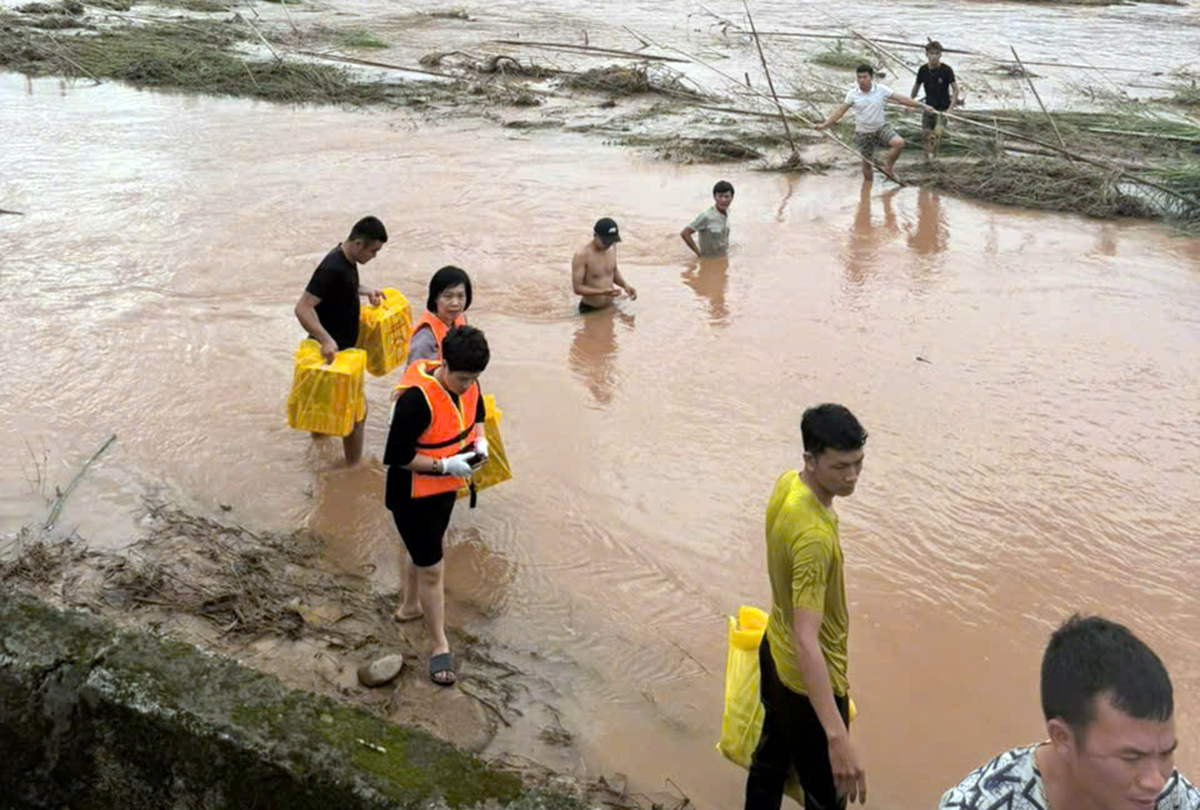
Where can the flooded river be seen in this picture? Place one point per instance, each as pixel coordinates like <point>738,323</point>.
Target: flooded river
<point>1042,457</point>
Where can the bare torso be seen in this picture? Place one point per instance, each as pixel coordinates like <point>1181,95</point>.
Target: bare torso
<point>599,269</point>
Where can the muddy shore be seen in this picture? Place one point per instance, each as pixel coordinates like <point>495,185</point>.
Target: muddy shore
<point>1126,155</point>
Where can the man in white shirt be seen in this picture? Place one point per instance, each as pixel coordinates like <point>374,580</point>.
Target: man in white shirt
<point>871,129</point>
<point>1110,717</point>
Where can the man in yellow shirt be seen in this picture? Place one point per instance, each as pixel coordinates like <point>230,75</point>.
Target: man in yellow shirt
<point>805,692</point>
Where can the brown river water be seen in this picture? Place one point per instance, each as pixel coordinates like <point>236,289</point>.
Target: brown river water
<point>1043,460</point>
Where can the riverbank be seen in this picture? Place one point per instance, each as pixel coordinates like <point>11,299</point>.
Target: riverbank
<point>1141,156</point>
<point>266,600</point>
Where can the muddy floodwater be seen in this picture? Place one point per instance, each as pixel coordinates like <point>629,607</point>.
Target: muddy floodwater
<point>1030,383</point>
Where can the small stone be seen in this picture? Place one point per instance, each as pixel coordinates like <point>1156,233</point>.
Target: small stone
<point>327,719</point>
<point>381,670</point>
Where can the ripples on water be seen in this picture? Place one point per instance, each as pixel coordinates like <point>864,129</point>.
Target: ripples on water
<point>1044,460</point>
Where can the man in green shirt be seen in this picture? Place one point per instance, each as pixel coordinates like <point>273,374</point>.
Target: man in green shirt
<point>805,692</point>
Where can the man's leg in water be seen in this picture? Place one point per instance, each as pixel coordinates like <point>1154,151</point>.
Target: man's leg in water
<point>353,444</point>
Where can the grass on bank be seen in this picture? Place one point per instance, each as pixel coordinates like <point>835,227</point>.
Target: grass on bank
<point>196,56</point>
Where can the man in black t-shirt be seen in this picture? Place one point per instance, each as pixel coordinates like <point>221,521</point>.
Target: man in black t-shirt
<point>328,308</point>
<point>941,93</point>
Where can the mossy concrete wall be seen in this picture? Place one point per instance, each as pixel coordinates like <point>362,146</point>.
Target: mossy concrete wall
<point>95,718</point>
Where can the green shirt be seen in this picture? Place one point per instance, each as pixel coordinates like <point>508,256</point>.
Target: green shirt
<point>804,562</point>
<point>712,228</point>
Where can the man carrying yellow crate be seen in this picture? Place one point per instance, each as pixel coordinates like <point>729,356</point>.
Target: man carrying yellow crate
<point>802,659</point>
<point>435,443</point>
<point>328,308</point>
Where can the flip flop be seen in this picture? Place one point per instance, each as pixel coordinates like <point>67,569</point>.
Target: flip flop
<point>403,619</point>
<point>442,662</point>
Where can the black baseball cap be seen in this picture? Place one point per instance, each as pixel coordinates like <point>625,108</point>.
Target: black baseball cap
<point>606,229</point>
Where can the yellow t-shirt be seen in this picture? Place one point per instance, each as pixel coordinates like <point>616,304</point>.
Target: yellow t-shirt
<point>804,562</point>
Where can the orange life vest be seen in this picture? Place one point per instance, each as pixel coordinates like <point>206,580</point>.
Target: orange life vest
<point>440,330</point>
<point>449,430</point>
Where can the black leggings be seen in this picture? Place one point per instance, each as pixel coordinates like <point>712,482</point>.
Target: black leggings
<point>791,735</point>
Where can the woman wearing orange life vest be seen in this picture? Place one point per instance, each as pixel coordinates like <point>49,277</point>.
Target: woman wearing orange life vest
<point>449,299</point>
<point>435,442</point>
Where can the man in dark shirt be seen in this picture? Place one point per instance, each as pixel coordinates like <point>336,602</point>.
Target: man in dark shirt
<point>941,93</point>
<point>328,308</point>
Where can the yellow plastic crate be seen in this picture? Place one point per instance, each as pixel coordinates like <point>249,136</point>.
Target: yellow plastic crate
<point>327,398</point>
<point>383,332</point>
<point>496,469</point>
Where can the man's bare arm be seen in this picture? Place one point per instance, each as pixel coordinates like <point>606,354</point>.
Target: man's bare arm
<point>834,117</point>
<point>306,313</point>
<point>578,273</point>
<point>849,775</point>
<point>687,233</point>
<point>900,98</point>
<point>619,280</point>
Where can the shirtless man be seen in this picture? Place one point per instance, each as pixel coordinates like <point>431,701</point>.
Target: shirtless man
<point>594,272</point>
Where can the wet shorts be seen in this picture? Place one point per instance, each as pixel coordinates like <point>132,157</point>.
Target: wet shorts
<point>586,308</point>
<point>422,524</point>
<point>868,142</point>
<point>930,120</point>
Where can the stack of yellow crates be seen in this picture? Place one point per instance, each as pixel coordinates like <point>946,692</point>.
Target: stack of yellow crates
<point>327,398</point>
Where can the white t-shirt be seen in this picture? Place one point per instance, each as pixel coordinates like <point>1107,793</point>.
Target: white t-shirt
<point>868,107</point>
<point>1013,781</point>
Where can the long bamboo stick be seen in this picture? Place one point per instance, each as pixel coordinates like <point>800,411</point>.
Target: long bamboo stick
<point>1036,95</point>
<point>883,51</point>
<point>770,84</point>
<point>586,49</point>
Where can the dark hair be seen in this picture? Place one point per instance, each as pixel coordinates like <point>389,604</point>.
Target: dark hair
<point>465,349</point>
<point>1091,656</point>
<point>831,427</point>
<point>865,68</point>
<point>368,229</point>
<point>449,276</point>
<point>933,45</point>
<point>722,186</point>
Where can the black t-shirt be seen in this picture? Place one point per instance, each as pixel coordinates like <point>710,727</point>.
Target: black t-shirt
<point>335,282</point>
<point>937,85</point>
<point>410,419</point>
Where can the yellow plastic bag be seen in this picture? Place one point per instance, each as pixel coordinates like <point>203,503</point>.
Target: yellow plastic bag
<point>383,332</point>
<point>495,470</point>
<point>327,398</point>
<point>741,726</point>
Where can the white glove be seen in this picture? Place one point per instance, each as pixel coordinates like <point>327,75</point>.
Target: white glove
<point>481,446</point>
<point>457,466</point>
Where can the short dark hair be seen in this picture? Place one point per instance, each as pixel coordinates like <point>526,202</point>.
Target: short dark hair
<point>933,45</point>
<point>865,68</point>
<point>1091,656</point>
<point>368,229</point>
<point>722,187</point>
<point>466,349</point>
<point>831,427</point>
<point>448,276</point>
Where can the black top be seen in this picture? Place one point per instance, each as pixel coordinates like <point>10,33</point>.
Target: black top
<point>410,419</point>
<point>335,282</point>
<point>937,85</point>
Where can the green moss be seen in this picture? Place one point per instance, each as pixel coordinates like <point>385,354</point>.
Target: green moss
<point>407,764</point>
<point>361,38</point>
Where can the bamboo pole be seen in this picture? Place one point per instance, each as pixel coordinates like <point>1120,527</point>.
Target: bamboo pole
<point>274,52</point>
<point>56,510</point>
<point>353,61</point>
<point>881,50</point>
<point>588,49</point>
<point>770,84</point>
<point>1029,79</point>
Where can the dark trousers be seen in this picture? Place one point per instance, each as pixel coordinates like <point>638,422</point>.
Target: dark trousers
<point>792,735</point>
